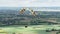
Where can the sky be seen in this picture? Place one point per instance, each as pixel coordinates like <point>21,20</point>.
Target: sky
<point>29,3</point>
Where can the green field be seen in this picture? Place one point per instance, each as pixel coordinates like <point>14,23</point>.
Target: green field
<point>35,29</point>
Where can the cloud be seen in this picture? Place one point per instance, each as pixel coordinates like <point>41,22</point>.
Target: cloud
<point>46,3</point>
<point>13,3</point>
<point>29,3</point>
